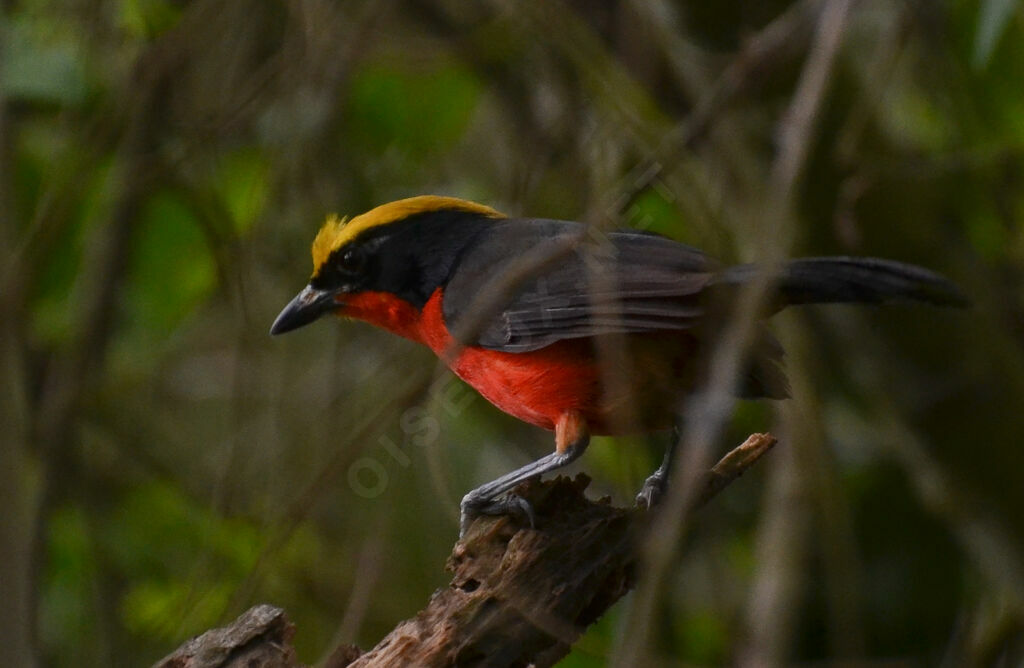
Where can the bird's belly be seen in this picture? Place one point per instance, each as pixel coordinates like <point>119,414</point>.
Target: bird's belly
<point>536,387</point>
<point>638,392</point>
<point>635,387</point>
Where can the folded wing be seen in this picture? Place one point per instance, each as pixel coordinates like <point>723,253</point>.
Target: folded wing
<point>530,283</point>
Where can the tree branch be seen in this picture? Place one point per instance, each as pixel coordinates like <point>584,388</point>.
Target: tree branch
<point>517,596</point>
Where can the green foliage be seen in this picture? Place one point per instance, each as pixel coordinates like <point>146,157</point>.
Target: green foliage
<point>53,312</point>
<point>653,212</point>
<point>154,609</point>
<point>592,650</point>
<point>414,110</point>
<point>67,614</point>
<point>242,182</point>
<point>147,18</point>
<point>914,122</point>
<point>160,603</point>
<point>172,269</point>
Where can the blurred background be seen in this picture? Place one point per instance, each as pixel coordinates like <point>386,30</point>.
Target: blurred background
<point>164,165</point>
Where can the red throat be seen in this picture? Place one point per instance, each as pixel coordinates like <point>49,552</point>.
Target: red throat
<point>386,311</point>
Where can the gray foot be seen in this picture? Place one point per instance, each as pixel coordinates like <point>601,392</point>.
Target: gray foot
<point>512,504</point>
<point>653,490</point>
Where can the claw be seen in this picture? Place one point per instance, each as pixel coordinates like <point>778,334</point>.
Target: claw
<point>572,438</point>
<point>512,504</point>
<point>521,507</point>
<point>652,491</point>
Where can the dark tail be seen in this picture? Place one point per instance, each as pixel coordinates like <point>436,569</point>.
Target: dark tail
<point>832,280</point>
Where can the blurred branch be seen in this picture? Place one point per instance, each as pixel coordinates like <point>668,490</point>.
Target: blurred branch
<point>781,555</point>
<point>709,410</point>
<point>812,509</point>
<point>517,597</point>
<point>70,376</point>
<point>17,484</point>
<point>981,535</point>
<point>775,45</point>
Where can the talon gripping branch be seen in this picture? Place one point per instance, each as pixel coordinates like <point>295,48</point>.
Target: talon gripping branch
<point>423,268</point>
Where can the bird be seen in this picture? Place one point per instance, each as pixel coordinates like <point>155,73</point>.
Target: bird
<point>523,310</point>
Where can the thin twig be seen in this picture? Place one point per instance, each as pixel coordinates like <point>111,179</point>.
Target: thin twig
<point>709,410</point>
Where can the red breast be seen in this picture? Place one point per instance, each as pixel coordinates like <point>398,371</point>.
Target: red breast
<point>536,387</point>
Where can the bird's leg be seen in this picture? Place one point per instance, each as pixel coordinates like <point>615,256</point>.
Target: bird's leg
<point>571,439</point>
<point>654,486</point>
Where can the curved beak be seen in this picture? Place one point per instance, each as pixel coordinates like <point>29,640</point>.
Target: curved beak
<point>307,306</point>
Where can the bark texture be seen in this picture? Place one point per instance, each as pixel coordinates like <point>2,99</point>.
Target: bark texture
<point>518,596</point>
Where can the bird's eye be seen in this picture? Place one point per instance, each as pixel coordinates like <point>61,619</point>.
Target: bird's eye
<point>352,261</point>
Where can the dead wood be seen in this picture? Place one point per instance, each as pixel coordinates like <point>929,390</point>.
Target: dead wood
<point>518,596</point>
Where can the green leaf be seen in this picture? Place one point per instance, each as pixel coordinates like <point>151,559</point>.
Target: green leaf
<point>415,110</point>
<point>148,18</point>
<point>242,183</point>
<point>653,212</point>
<point>155,541</point>
<point>911,118</point>
<point>169,610</point>
<point>172,266</point>
<point>53,308</point>
<point>70,576</point>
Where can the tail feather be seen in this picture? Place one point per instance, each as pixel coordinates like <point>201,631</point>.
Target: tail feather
<point>830,280</point>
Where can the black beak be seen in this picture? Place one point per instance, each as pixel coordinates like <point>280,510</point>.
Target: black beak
<point>307,306</point>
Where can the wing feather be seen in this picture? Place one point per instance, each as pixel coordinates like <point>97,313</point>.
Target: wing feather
<point>631,283</point>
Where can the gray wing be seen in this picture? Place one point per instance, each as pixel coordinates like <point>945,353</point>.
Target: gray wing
<point>525,284</point>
